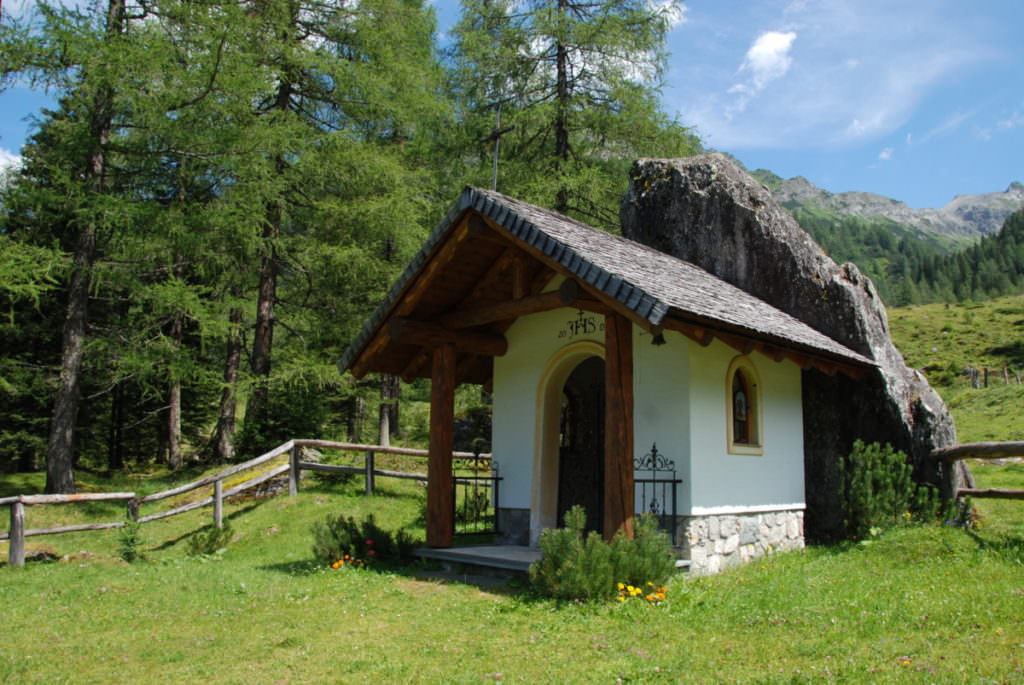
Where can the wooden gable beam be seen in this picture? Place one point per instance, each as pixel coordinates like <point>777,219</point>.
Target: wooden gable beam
<point>411,332</point>
<point>565,296</point>
<point>612,304</point>
<point>413,293</point>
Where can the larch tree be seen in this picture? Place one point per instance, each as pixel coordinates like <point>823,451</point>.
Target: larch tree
<point>569,88</point>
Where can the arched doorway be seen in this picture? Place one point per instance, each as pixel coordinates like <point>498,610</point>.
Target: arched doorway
<point>547,503</point>
<point>581,443</point>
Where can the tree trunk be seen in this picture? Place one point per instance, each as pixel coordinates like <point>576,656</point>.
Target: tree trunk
<point>60,448</point>
<point>561,111</point>
<point>174,458</point>
<point>224,438</point>
<point>263,338</point>
<point>389,392</point>
<point>115,444</point>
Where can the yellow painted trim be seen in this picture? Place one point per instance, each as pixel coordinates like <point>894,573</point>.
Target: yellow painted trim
<point>544,488</point>
<point>745,364</point>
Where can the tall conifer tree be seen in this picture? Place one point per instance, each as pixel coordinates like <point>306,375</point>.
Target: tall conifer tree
<point>571,88</point>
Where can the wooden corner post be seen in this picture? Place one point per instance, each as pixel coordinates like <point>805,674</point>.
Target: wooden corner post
<point>16,540</point>
<point>440,492</point>
<point>618,426</point>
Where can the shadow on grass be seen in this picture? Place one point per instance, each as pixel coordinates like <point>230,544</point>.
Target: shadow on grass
<point>167,544</point>
<point>411,569</point>
<point>1005,546</point>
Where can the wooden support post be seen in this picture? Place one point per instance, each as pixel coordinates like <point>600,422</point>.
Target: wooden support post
<point>368,467</point>
<point>218,503</point>
<point>440,495</point>
<point>133,509</point>
<point>618,426</point>
<point>16,554</point>
<point>294,472</point>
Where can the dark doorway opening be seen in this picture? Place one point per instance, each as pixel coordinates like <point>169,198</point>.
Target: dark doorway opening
<point>581,443</point>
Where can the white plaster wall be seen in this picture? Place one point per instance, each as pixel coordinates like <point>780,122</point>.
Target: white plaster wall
<point>679,395</point>
<point>723,482</point>
<point>661,404</point>
<point>532,341</point>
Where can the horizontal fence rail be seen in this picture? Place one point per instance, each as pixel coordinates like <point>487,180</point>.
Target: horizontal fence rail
<point>293,467</point>
<point>982,450</point>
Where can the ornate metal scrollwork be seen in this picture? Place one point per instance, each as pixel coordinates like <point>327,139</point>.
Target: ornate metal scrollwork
<point>654,461</point>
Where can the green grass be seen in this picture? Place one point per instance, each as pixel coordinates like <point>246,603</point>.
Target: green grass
<point>941,340</point>
<point>929,604</point>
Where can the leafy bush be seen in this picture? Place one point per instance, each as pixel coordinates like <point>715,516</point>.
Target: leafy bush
<point>209,540</point>
<point>130,541</point>
<point>337,537</point>
<point>585,567</point>
<point>876,492</point>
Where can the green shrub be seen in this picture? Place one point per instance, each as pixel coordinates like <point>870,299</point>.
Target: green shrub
<point>585,567</point>
<point>337,536</point>
<point>876,492</point>
<point>209,540</point>
<point>130,541</point>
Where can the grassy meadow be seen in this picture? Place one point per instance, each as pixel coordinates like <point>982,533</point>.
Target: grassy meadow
<point>920,604</point>
<point>928,604</point>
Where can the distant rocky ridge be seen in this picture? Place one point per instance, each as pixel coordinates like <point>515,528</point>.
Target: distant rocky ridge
<point>966,216</point>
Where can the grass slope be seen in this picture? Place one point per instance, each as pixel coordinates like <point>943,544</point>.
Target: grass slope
<point>917,605</point>
<point>942,340</point>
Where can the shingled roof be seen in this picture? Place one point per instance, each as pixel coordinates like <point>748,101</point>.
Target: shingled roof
<point>650,284</point>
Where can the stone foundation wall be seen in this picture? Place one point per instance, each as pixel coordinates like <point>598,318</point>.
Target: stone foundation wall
<point>513,526</point>
<point>721,541</point>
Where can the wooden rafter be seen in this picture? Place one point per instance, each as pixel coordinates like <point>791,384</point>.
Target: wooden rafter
<point>414,292</point>
<point>613,305</point>
<point>512,309</point>
<point>422,333</point>
<point>704,336</point>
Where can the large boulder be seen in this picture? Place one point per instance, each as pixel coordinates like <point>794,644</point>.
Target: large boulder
<point>710,212</point>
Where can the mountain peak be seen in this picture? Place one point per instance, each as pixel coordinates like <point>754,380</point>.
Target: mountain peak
<point>965,216</point>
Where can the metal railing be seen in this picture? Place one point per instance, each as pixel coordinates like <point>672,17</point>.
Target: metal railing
<point>657,484</point>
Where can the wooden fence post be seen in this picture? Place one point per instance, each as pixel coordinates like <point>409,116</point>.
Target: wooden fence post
<point>16,556</point>
<point>218,503</point>
<point>369,472</point>
<point>293,472</point>
<point>133,509</point>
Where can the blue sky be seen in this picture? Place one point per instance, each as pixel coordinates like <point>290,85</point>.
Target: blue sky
<point>918,100</point>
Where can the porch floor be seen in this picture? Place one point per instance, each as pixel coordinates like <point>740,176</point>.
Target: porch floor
<point>507,557</point>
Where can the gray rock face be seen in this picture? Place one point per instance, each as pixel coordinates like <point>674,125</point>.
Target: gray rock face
<point>708,211</point>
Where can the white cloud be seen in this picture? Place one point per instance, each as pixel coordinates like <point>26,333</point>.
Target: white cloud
<point>945,127</point>
<point>674,11</point>
<point>1013,121</point>
<point>8,160</point>
<point>862,70</point>
<point>886,154</point>
<point>768,58</point>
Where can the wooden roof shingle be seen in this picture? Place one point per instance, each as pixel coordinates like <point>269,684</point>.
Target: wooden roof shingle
<point>651,284</point>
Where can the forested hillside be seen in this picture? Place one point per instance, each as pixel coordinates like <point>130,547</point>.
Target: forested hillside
<point>226,190</point>
<point>909,267</point>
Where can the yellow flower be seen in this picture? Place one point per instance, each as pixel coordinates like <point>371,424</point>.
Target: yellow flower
<point>621,586</point>
<point>621,598</point>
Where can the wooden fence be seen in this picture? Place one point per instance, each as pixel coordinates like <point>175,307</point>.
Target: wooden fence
<point>982,450</point>
<point>293,467</point>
